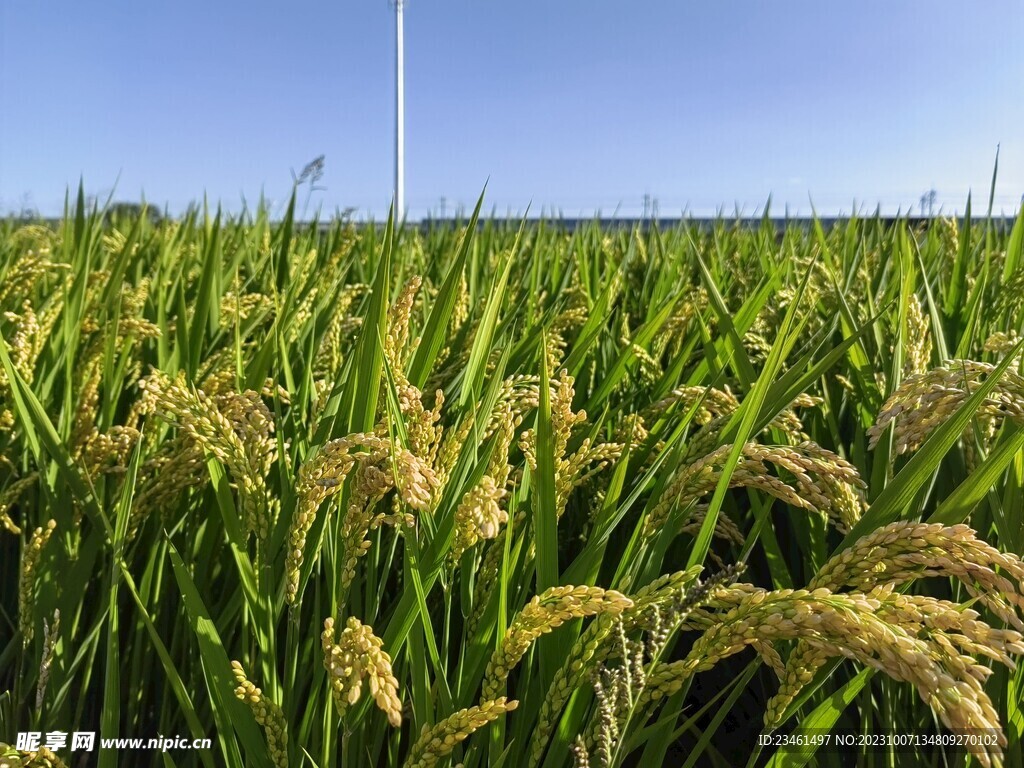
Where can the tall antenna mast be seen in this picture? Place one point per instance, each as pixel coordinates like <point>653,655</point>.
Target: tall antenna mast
<point>399,110</point>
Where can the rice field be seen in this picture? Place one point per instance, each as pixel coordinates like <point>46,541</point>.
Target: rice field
<point>502,494</point>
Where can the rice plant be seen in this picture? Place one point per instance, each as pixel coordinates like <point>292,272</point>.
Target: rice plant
<point>509,494</point>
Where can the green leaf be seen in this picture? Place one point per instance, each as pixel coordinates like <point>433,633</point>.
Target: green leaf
<point>435,331</point>
<point>482,343</point>
<point>820,721</point>
<point>362,388</point>
<point>230,715</point>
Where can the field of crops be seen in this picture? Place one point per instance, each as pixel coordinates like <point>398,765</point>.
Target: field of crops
<point>500,494</point>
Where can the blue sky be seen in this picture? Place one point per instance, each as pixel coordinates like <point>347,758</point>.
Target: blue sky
<point>574,105</point>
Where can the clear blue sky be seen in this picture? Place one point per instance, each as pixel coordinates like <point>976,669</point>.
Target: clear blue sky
<point>579,105</point>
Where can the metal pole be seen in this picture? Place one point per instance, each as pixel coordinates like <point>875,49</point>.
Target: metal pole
<point>399,111</point>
